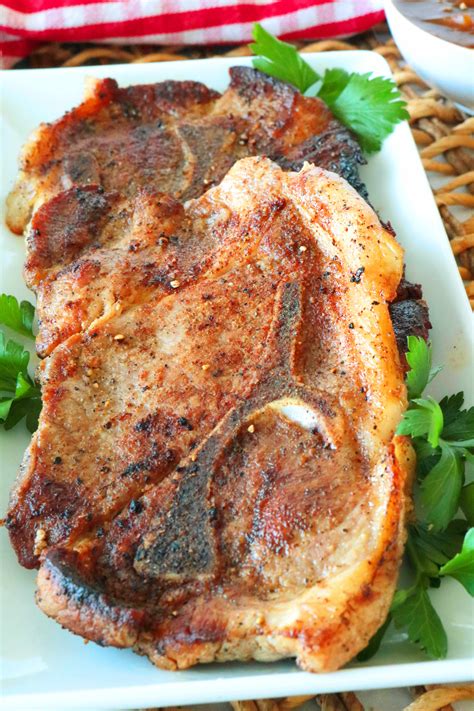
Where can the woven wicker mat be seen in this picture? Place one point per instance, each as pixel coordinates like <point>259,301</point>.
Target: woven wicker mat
<point>445,138</point>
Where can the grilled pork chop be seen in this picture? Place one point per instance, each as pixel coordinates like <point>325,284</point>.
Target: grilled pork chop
<point>177,137</point>
<point>89,241</point>
<point>135,253</point>
<point>215,474</point>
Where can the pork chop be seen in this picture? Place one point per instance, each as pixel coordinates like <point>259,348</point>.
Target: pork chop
<point>215,474</point>
<point>134,250</point>
<point>178,138</point>
<point>91,180</point>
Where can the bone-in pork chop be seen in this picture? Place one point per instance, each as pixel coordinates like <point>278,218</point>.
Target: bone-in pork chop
<point>178,138</point>
<point>91,180</point>
<point>215,474</point>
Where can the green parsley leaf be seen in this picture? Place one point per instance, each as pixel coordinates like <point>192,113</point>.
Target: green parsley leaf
<point>21,397</point>
<point>417,616</point>
<point>334,82</point>
<point>400,597</point>
<point>469,456</point>
<point>441,488</point>
<point>426,418</point>
<point>436,423</point>
<point>443,437</point>
<point>427,558</point>
<point>466,502</point>
<point>421,373</point>
<point>458,424</point>
<point>29,409</point>
<point>461,566</point>
<point>426,456</point>
<point>369,106</point>
<point>435,548</point>
<point>17,316</point>
<point>374,642</point>
<point>451,405</point>
<point>281,60</point>
<point>462,427</point>
<point>13,360</point>
<point>24,389</point>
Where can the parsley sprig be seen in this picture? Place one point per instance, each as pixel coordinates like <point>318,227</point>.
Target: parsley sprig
<point>369,106</point>
<point>20,395</point>
<point>439,544</point>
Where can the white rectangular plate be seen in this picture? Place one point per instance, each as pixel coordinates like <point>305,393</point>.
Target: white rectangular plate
<point>47,667</point>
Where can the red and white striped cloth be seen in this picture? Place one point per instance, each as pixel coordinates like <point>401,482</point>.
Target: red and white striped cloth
<point>24,23</point>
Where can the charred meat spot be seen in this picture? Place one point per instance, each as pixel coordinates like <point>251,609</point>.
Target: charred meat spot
<point>150,463</point>
<point>135,468</point>
<point>130,111</point>
<point>212,513</point>
<point>145,425</point>
<point>57,460</point>
<point>135,506</point>
<point>388,226</point>
<point>184,422</point>
<point>157,277</point>
<point>356,277</point>
<point>409,318</point>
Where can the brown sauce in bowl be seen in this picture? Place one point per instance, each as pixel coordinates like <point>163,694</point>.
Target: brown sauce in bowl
<point>451,20</point>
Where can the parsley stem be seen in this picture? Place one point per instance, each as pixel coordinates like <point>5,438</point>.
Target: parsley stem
<point>458,443</point>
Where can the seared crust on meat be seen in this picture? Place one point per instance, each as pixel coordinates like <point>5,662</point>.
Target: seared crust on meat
<point>215,474</point>
<point>91,253</point>
<point>93,181</point>
<point>323,628</point>
<point>178,138</point>
<point>410,315</point>
<point>120,139</point>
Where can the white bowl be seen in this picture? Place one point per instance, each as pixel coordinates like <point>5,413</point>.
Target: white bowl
<point>446,66</point>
